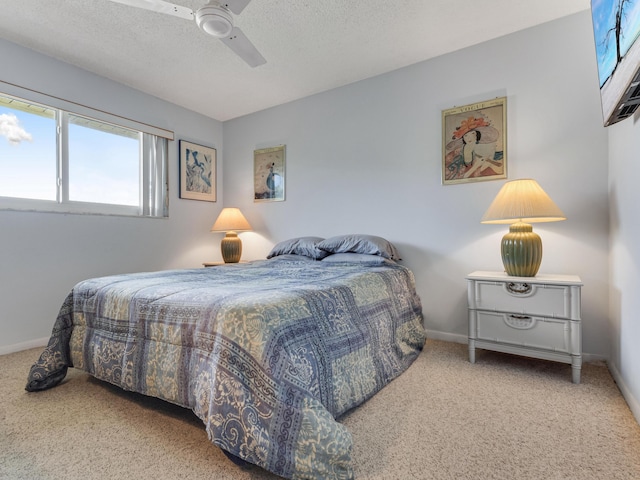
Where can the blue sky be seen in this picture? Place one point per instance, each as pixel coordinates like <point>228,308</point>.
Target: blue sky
<point>603,20</point>
<point>27,155</point>
<point>103,167</point>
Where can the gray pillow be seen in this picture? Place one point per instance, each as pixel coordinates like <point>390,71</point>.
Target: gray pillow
<point>358,243</point>
<point>357,258</point>
<point>306,246</point>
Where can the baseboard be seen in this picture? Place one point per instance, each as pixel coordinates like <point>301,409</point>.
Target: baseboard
<point>18,347</point>
<point>633,402</point>
<point>447,337</point>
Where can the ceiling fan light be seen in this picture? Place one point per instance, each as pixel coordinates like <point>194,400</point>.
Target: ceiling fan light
<point>214,20</point>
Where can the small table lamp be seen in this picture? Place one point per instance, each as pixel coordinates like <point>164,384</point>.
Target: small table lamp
<point>231,221</point>
<point>517,202</point>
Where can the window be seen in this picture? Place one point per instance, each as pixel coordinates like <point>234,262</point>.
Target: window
<point>104,162</point>
<point>54,160</point>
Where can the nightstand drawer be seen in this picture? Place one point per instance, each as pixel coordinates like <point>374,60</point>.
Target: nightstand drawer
<point>528,298</point>
<point>524,330</point>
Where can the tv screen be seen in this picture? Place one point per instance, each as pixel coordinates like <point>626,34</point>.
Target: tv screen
<point>616,28</point>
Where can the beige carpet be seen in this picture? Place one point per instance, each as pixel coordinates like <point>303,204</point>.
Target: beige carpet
<point>505,417</point>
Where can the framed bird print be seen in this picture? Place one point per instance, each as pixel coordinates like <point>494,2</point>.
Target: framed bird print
<point>268,174</point>
<point>197,172</point>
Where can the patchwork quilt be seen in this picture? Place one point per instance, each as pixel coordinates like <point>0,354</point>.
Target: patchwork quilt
<point>268,354</point>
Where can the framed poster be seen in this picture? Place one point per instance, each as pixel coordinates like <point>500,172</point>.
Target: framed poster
<point>474,146</point>
<point>197,172</point>
<point>268,174</point>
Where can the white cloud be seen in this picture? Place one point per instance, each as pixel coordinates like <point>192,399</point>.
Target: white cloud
<point>10,129</point>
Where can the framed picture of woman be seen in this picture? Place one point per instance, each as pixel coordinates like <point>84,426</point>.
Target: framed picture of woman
<point>268,174</point>
<point>474,146</point>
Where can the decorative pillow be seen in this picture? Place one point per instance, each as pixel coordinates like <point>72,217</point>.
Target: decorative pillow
<point>357,243</point>
<point>356,258</point>
<point>306,246</point>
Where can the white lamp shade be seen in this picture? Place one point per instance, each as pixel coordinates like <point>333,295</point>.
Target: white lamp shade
<point>522,200</point>
<point>230,219</point>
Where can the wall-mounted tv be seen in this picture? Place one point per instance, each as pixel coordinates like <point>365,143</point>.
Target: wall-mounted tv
<point>616,28</point>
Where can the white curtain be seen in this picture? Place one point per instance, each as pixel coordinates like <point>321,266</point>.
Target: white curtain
<point>155,191</point>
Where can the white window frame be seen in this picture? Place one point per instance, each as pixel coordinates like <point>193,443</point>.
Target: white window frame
<point>149,180</point>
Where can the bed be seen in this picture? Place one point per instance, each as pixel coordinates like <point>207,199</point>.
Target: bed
<point>268,354</point>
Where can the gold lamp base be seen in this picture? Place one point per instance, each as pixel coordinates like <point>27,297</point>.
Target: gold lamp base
<point>521,251</point>
<point>231,247</point>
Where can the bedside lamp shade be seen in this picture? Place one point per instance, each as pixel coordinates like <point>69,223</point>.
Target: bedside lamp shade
<point>520,203</point>
<point>231,221</point>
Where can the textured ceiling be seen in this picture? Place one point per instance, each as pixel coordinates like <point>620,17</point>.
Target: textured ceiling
<point>310,45</point>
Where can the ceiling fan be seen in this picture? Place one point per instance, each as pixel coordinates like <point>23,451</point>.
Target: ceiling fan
<point>214,18</point>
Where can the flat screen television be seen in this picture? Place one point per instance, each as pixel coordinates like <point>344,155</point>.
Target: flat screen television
<point>616,28</point>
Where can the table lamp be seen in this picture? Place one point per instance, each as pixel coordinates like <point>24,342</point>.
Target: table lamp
<point>520,203</point>
<point>231,221</point>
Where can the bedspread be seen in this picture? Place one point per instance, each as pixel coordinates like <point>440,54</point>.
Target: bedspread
<point>268,354</point>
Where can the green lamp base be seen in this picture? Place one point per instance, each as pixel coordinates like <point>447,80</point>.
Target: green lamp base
<point>521,251</point>
<point>231,247</point>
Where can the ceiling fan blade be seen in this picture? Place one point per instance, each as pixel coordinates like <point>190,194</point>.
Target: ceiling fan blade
<point>236,6</point>
<point>160,6</point>
<point>240,44</point>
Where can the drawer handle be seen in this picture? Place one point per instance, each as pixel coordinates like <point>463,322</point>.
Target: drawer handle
<point>522,322</point>
<point>519,288</point>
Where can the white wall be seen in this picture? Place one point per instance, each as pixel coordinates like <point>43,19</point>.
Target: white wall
<point>365,158</point>
<point>42,255</point>
<point>624,175</point>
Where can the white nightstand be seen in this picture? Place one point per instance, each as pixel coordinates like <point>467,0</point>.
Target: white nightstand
<point>532,316</point>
